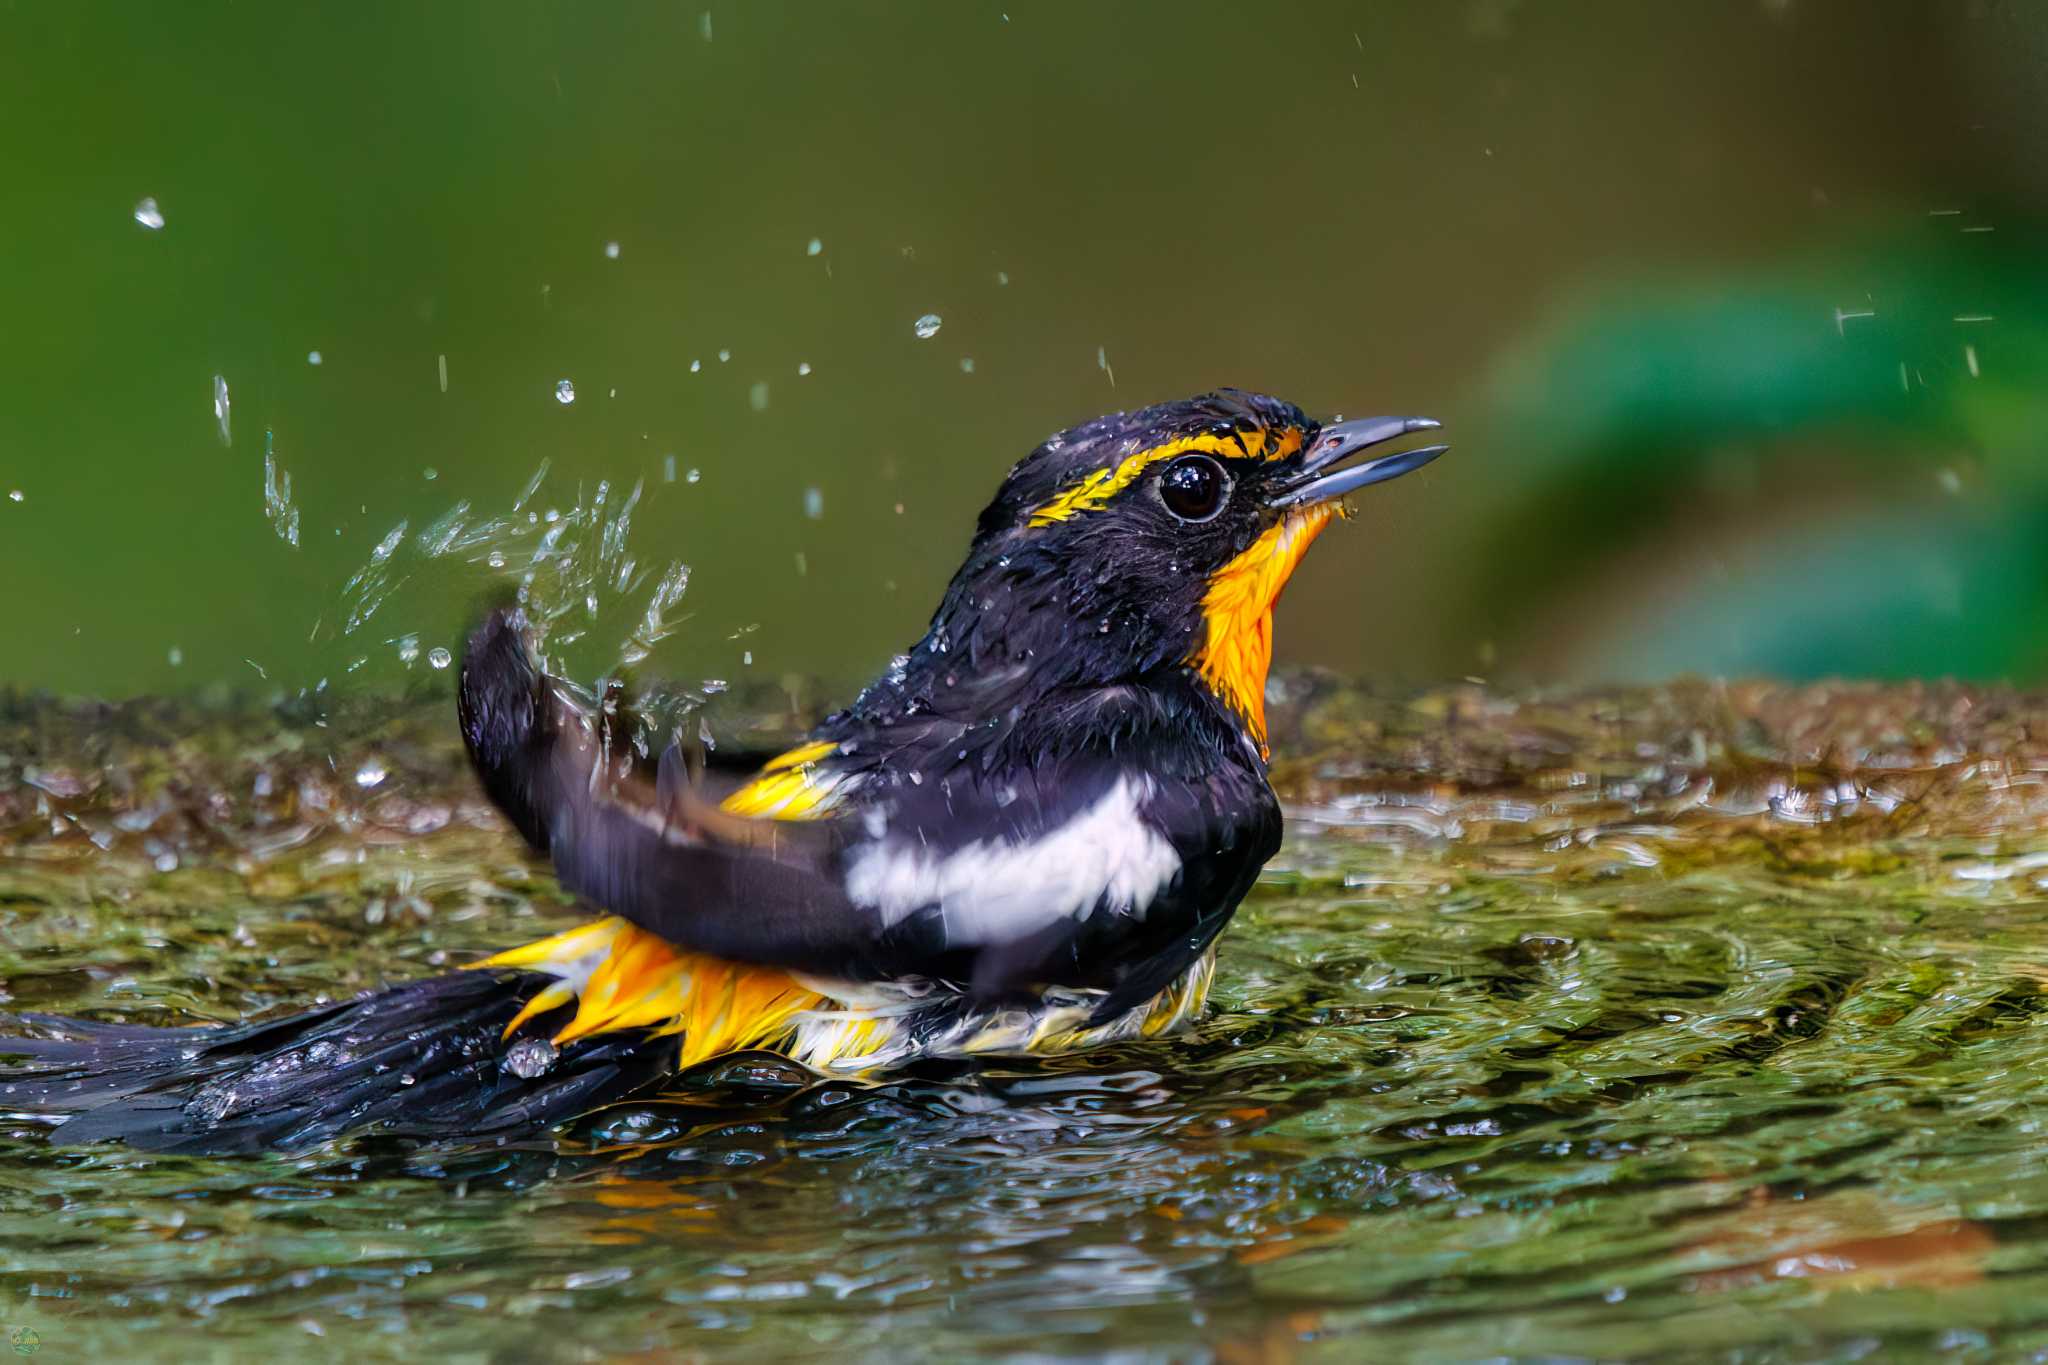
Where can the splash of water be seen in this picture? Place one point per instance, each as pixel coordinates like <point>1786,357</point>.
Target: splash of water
<point>277,494</point>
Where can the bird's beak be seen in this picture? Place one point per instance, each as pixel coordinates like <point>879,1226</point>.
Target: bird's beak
<point>1319,480</point>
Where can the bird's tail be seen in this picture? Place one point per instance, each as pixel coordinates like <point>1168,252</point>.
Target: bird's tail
<point>427,1060</point>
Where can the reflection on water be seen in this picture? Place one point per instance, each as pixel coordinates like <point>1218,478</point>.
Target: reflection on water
<point>1575,1026</point>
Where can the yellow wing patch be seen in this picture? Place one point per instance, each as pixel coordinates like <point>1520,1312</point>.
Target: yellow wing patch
<point>790,787</point>
<point>1099,487</point>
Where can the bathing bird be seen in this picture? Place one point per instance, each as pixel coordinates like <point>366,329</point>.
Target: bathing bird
<point>1023,839</point>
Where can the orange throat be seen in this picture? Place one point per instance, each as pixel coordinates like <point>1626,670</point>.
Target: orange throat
<point>1237,611</point>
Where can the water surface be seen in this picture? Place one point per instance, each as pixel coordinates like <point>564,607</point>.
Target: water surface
<point>1602,1025</point>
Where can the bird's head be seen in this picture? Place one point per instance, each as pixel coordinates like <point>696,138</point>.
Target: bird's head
<point>1156,538</point>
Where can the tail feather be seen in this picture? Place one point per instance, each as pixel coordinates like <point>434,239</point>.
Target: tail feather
<point>426,1060</point>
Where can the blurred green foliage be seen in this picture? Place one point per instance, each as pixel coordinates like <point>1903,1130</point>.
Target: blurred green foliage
<point>1607,243</point>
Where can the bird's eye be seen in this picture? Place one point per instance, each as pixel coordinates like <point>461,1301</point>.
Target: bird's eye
<point>1194,487</point>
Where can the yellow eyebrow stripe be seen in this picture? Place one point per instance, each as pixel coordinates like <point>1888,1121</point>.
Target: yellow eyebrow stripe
<point>1099,487</point>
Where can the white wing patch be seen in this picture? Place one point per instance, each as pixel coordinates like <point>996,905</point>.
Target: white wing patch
<point>995,890</point>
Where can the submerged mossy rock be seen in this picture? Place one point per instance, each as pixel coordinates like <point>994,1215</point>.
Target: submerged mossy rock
<point>1816,776</point>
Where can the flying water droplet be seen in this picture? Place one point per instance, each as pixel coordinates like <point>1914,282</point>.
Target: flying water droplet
<point>724,356</point>
<point>388,544</point>
<point>312,357</point>
<point>967,364</point>
<point>611,251</point>
<point>814,503</point>
<point>815,247</point>
<point>803,367</point>
<point>177,657</point>
<point>757,396</point>
<point>371,773</point>
<point>439,658</point>
<point>149,215</point>
<point>221,405</point>
<point>565,392</point>
<point>693,476</point>
<point>530,1058</point>
<point>927,326</point>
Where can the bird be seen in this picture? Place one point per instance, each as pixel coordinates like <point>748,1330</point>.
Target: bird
<point>1023,839</point>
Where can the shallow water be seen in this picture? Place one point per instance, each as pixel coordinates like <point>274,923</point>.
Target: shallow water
<point>1696,1018</point>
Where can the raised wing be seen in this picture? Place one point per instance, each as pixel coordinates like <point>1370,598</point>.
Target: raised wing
<point>1096,843</point>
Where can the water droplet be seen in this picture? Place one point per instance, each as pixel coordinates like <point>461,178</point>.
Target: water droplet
<point>724,356</point>
<point>565,392</point>
<point>496,559</point>
<point>312,357</point>
<point>693,476</point>
<point>803,367</point>
<point>221,406</point>
<point>408,649</point>
<point>441,368</point>
<point>814,503</point>
<point>704,25</point>
<point>149,215</point>
<point>747,658</point>
<point>927,326</point>
<point>407,1078</point>
<point>439,657</point>
<point>430,473</point>
<point>177,657</point>
<point>14,495</point>
<point>167,862</point>
<point>967,364</point>
<point>370,773</point>
<point>713,686</point>
<point>611,251</point>
<point>386,546</point>
<point>757,396</point>
<point>814,248</point>
<point>1002,277</point>
<point>530,1057</point>
<point>668,469</point>
<point>696,365</point>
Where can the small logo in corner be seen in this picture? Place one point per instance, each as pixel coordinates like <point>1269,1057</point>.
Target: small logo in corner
<point>26,1341</point>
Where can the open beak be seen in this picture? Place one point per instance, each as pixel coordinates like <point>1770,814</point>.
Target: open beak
<point>1319,479</point>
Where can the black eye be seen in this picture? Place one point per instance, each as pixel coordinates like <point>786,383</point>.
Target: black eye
<point>1194,487</point>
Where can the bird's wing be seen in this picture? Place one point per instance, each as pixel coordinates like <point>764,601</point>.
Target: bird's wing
<point>920,847</point>
<point>662,854</point>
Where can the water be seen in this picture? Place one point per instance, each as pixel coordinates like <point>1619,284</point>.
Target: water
<point>1568,1027</point>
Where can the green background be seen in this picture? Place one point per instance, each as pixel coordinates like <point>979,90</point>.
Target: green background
<point>1609,245</point>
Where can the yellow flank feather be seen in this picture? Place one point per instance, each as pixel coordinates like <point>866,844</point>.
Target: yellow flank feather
<point>1105,483</point>
<point>622,977</point>
<point>1237,648</point>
